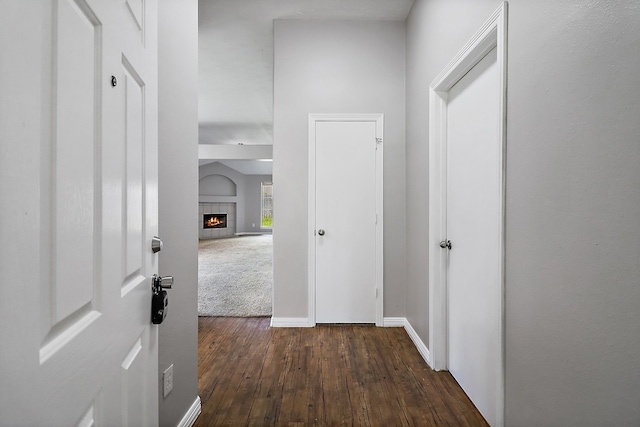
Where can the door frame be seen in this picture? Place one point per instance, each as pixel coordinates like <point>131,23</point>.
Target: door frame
<point>492,34</point>
<point>378,119</point>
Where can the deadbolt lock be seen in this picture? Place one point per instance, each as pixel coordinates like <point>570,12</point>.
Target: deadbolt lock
<point>156,244</point>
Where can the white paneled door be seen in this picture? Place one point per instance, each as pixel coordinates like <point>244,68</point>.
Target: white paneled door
<point>474,219</point>
<point>78,167</point>
<point>346,230</point>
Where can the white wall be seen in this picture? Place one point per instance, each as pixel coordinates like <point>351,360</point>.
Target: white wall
<point>247,196</point>
<point>573,213</point>
<point>334,67</point>
<point>217,185</point>
<point>253,201</point>
<point>573,173</point>
<point>436,31</point>
<point>178,201</point>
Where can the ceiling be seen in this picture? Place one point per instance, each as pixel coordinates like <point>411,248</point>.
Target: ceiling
<point>236,59</point>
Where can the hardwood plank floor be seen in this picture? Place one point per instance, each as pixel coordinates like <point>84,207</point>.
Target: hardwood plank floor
<point>333,375</point>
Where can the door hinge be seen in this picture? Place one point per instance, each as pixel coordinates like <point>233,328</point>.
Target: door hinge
<point>376,293</point>
<point>378,142</point>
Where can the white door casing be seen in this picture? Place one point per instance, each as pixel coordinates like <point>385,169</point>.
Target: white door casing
<point>492,35</point>
<point>345,201</point>
<point>78,209</point>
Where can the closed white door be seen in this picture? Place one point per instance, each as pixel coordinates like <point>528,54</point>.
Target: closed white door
<point>473,226</point>
<point>79,208</point>
<point>345,221</point>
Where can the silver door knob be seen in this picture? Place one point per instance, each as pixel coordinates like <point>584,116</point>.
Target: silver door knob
<point>158,283</point>
<point>156,244</point>
<point>321,232</point>
<point>166,282</point>
<point>446,244</point>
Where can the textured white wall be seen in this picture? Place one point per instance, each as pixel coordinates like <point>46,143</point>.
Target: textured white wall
<point>334,67</point>
<point>178,200</point>
<point>573,213</point>
<point>573,173</point>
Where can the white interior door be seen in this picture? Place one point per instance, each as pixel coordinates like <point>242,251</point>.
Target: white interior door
<point>473,226</point>
<point>78,207</point>
<point>345,221</point>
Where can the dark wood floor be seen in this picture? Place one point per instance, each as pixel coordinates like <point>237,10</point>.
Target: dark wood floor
<point>254,375</point>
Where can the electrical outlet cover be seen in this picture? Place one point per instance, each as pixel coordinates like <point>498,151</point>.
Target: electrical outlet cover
<point>167,379</point>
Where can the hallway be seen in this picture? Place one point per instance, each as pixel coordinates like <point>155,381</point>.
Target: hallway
<point>251,374</point>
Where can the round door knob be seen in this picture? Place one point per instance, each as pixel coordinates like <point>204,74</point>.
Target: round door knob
<point>166,282</point>
<point>321,232</point>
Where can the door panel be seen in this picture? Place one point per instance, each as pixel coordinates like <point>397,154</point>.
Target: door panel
<point>78,209</point>
<point>136,8</point>
<point>345,210</point>
<point>473,226</point>
<point>133,391</point>
<point>134,144</point>
<point>74,175</point>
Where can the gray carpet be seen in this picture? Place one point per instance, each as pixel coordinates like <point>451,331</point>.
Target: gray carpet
<point>235,276</point>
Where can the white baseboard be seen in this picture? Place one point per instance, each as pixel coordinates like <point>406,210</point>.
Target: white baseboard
<point>192,414</point>
<point>387,322</point>
<point>394,322</point>
<point>422,348</point>
<point>290,322</point>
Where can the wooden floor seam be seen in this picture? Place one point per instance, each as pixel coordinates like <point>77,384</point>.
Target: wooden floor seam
<point>332,375</point>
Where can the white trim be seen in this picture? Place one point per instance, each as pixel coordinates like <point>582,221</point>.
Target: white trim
<point>192,414</point>
<point>311,294</point>
<point>388,322</point>
<point>422,348</point>
<point>492,34</point>
<point>437,230</point>
<point>291,322</point>
<point>394,322</point>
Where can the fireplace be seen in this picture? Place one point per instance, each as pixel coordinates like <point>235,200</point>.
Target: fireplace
<point>223,226</point>
<point>214,221</point>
